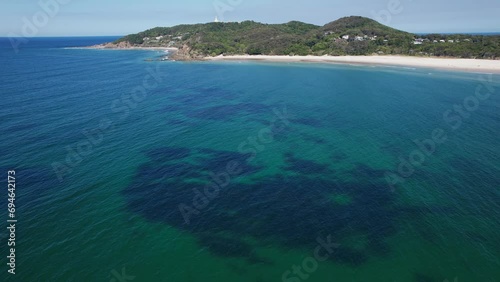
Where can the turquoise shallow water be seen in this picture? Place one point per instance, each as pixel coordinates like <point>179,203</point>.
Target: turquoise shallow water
<point>233,171</point>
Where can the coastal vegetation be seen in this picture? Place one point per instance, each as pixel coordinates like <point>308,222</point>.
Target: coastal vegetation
<point>346,36</point>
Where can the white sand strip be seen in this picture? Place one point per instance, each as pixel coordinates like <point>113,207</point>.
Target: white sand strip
<point>470,65</point>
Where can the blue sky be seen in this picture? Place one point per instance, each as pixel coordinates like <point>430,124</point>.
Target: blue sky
<point>119,17</point>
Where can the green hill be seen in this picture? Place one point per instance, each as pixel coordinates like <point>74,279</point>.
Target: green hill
<point>361,26</point>
<point>346,36</point>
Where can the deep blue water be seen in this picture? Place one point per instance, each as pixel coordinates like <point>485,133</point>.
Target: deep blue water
<point>106,170</point>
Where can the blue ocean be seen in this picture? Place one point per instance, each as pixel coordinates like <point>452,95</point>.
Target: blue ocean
<point>130,168</point>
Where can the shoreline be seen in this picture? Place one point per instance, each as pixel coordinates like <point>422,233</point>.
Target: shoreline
<point>456,64</point>
<point>450,64</point>
<point>102,47</point>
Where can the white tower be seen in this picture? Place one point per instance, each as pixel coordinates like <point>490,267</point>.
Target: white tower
<point>216,20</point>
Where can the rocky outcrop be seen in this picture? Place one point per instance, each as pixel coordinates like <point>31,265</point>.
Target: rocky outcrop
<point>121,45</point>
<point>185,53</point>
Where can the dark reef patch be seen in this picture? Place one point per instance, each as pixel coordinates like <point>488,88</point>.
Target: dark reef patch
<point>290,212</point>
<point>304,166</point>
<point>212,103</point>
<point>308,122</point>
<point>339,156</point>
<point>314,139</point>
<point>228,111</point>
<point>217,161</point>
<point>168,154</point>
<point>367,172</point>
<point>203,95</point>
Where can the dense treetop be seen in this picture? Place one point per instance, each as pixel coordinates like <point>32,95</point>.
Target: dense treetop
<point>346,36</point>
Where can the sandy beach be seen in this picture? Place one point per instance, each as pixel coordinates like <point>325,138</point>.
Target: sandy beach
<point>468,65</point>
<point>455,64</point>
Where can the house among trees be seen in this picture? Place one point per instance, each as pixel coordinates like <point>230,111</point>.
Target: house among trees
<point>418,41</point>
